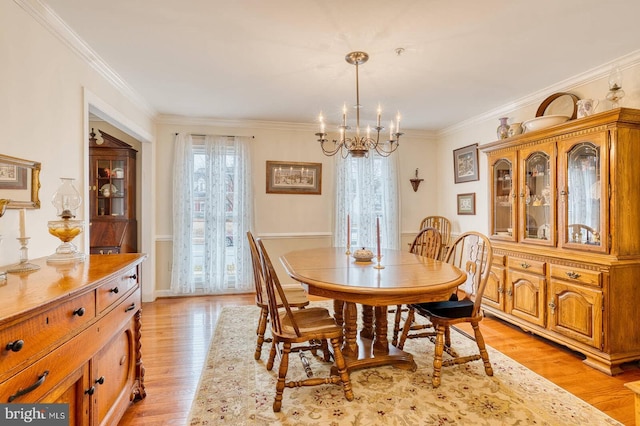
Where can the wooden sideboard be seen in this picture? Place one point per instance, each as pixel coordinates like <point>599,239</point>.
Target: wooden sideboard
<point>563,222</point>
<point>70,333</point>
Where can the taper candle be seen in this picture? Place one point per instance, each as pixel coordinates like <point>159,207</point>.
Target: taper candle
<point>348,232</point>
<point>23,212</point>
<point>378,234</point>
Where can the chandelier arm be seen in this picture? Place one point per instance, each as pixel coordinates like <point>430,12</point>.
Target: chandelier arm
<point>359,146</point>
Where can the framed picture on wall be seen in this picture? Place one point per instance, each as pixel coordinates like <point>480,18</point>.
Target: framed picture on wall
<point>294,178</point>
<point>465,164</point>
<point>467,203</point>
<point>12,177</point>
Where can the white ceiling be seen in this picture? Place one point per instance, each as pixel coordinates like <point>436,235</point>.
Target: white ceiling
<point>283,60</point>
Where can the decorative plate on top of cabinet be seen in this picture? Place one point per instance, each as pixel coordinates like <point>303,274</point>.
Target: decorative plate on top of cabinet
<point>561,103</point>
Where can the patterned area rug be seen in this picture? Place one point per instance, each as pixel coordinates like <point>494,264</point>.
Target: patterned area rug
<point>235,389</point>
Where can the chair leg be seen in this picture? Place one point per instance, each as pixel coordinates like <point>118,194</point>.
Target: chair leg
<point>406,327</point>
<point>437,356</point>
<point>325,350</point>
<point>262,328</point>
<point>272,355</point>
<point>483,350</point>
<point>396,325</point>
<point>342,369</point>
<point>447,336</point>
<point>282,375</point>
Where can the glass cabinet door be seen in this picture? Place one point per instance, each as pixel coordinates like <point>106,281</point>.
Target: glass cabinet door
<point>583,189</point>
<point>111,187</point>
<point>536,197</point>
<point>503,195</point>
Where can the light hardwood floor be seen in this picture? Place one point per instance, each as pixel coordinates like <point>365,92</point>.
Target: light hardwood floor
<point>176,333</point>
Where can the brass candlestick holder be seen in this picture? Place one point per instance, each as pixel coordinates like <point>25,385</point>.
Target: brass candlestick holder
<point>378,266</point>
<point>24,265</point>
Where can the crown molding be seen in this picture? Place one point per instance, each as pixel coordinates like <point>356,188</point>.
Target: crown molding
<point>181,120</point>
<point>627,61</point>
<point>42,13</point>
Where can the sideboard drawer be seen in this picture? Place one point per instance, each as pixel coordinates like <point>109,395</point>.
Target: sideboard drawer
<point>583,276</point>
<point>528,265</point>
<point>25,339</point>
<point>113,290</point>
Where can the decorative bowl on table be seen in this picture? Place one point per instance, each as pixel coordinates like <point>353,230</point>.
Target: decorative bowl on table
<point>543,122</point>
<point>363,255</point>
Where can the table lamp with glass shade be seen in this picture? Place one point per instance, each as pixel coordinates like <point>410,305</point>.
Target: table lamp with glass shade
<point>66,200</point>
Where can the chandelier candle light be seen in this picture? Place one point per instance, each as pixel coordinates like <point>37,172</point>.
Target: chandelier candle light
<point>357,145</point>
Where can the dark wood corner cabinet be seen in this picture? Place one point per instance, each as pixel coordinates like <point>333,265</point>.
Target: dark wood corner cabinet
<point>70,334</point>
<point>564,205</point>
<point>112,196</point>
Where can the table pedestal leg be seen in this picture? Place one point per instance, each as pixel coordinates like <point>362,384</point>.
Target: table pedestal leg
<point>361,351</point>
<point>338,307</point>
<point>367,322</point>
<point>380,341</point>
<point>350,344</point>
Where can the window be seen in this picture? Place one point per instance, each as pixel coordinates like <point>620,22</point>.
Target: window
<point>367,188</point>
<point>213,216</point>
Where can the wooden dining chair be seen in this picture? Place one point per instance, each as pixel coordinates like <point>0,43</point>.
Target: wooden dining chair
<point>427,243</point>
<point>292,331</point>
<point>471,252</point>
<point>296,295</point>
<point>443,225</point>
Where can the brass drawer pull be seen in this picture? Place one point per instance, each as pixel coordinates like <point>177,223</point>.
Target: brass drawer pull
<point>573,275</point>
<point>30,388</point>
<point>525,265</point>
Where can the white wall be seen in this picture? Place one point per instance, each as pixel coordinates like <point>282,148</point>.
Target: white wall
<point>49,87</point>
<point>44,116</point>
<point>295,221</point>
<point>482,129</point>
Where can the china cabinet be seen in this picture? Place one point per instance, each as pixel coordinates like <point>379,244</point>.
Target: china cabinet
<point>563,223</point>
<point>71,334</point>
<point>112,195</point>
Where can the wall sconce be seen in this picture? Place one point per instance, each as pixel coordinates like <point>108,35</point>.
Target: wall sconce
<point>3,205</point>
<point>415,182</point>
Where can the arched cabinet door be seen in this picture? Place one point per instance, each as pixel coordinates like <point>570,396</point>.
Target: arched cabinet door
<point>537,218</point>
<point>504,204</point>
<point>583,192</point>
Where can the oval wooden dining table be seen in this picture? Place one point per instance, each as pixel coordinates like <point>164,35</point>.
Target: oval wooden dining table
<point>406,278</point>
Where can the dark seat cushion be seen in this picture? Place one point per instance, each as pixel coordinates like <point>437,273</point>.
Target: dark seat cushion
<point>446,309</point>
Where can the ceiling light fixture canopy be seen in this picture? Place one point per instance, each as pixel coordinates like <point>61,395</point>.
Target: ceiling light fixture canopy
<point>358,145</point>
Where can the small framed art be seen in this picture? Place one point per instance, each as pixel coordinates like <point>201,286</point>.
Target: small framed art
<point>294,178</point>
<point>465,164</point>
<point>467,203</point>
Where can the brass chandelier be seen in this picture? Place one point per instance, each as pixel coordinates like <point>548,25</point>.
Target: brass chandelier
<point>358,145</point>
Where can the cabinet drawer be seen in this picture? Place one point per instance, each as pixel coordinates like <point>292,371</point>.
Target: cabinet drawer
<point>499,259</point>
<point>35,334</point>
<point>578,275</point>
<point>528,265</point>
<point>43,375</point>
<point>113,290</point>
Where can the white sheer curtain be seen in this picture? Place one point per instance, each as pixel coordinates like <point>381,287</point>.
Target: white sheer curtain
<point>213,210</point>
<point>367,188</point>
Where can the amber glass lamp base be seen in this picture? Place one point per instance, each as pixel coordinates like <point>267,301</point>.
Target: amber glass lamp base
<point>66,230</point>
